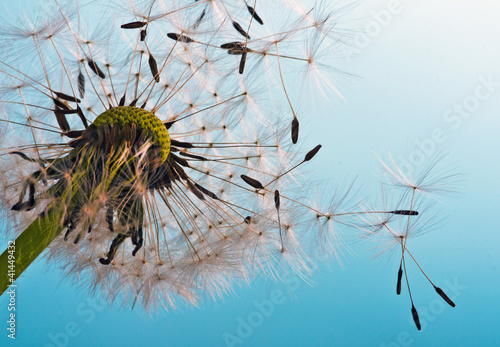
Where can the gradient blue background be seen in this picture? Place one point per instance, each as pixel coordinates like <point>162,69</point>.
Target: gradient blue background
<point>425,58</point>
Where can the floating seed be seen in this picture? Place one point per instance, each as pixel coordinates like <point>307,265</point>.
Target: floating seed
<point>255,15</point>
<point>154,68</point>
<point>252,182</point>
<point>143,34</point>
<point>240,30</point>
<point>400,276</point>
<point>248,220</point>
<point>405,212</point>
<point>295,130</point>
<point>180,38</point>
<point>444,296</point>
<point>312,153</point>
<point>415,317</point>
<point>133,25</point>
<point>93,66</point>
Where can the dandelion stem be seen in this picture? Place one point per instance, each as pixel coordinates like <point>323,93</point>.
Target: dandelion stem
<point>29,245</point>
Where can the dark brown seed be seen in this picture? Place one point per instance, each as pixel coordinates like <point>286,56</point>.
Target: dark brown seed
<point>62,121</point>
<point>179,37</point>
<point>240,30</point>
<point>181,161</point>
<point>255,15</point>
<point>235,48</point>
<point>67,97</point>
<point>312,153</point>
<point>138,240</point>
<point>154,68</point>
<point>24,156</point>
<point>66,111</point>
<point>93,66</point>
<point>195,191</point>
<point>180,144</point>
<point>444,296</point>
<point>81,84</point>
<point>112,249</point>
<point>405,212</point>
<point>82,117</point>
<point>295,130</point>
<point>143,34</point>
<point>200,18</point>
<point>248,220</point>
<point>133,103</point>
<point>77,239</point>
<point>242,62</point>
<point>122,101</point>
<point>198,157</point>
<point>133,25</point>
<point>415,317</point>
<point>400,276</point>
<point>73,134</point>
<point>252,182</point>
<point>60,104</point>
<point>206,192</point>
<point>277,199</point>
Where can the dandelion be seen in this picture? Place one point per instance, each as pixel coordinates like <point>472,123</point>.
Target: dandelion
<point>147,163</point>
<point>146,158</point>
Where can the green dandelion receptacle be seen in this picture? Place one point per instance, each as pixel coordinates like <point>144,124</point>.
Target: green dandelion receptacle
<point>144,120</point>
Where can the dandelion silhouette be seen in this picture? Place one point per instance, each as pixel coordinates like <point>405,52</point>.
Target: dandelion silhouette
<point>147,160</point>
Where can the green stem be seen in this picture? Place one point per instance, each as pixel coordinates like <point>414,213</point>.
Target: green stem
<point>29,245</point>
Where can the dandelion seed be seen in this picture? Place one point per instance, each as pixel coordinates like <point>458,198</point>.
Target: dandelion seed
<point>312,153</point>
<point>239,29</point>
<point>81,84</point>
<point>154,68</point>
<point>415,317</point>
<point>133,25</point>
<point>255,15</point>
<point>295,130</point>
<point>95,68</point>
<point>180,38</point>
<point>252,182</point>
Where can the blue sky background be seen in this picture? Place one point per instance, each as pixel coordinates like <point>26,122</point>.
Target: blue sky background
<point>413,67</point>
